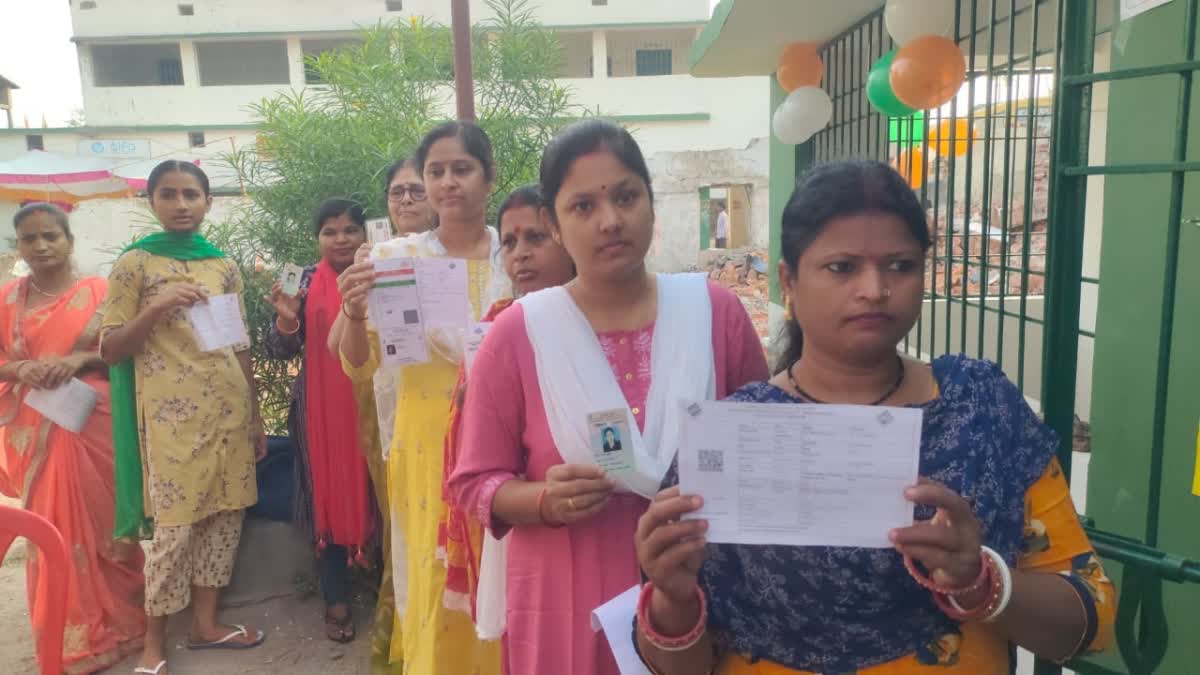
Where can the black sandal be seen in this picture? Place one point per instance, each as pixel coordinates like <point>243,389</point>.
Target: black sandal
<point>339,630</point>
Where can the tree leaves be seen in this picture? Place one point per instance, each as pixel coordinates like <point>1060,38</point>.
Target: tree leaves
<point>376,100</point>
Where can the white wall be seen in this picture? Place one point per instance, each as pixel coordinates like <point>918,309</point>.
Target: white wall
<point>159,17</point>
<point>738,108</point>
<point>678,177</point>
<point>103,226</point>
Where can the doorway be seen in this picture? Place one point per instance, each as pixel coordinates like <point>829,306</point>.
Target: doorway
<point>734,202</point>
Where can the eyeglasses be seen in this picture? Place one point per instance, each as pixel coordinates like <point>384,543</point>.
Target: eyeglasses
<point>416,192</point>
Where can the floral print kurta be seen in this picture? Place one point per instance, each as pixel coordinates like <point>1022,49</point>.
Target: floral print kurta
<point>194,407</point>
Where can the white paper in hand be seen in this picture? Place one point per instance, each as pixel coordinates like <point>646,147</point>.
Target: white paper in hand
<point>800,475</point>
<point>474,340</point>
<point>395,310</point>
<point>69,406</point>
<point>615,618</point>
<point>218,323</point>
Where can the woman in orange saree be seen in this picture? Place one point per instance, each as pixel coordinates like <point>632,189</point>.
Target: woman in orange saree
<point>48,325</point>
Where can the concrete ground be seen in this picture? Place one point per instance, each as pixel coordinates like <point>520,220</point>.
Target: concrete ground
<point>278,594</point>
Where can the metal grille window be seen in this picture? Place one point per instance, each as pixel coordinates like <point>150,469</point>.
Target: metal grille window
<point>653,62</point>
<point>170,72</point>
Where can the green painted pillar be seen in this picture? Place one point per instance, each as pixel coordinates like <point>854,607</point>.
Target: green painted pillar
<point>782,181</point>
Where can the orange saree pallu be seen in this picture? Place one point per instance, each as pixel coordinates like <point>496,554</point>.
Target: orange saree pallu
<point>67,478</point>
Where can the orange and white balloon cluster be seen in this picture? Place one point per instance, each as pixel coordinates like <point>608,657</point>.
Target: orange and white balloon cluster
<point>808,108</point>
<point>927,69</point>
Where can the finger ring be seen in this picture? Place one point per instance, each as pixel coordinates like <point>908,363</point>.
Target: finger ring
<point>571,503</point>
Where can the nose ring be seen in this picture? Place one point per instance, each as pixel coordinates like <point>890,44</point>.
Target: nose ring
<point>887,292</point>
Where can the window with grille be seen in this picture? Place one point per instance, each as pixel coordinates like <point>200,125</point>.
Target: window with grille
<point>170,72</point>
<point>35,142</point>
<point>653,62</point>
<point>195,139</point>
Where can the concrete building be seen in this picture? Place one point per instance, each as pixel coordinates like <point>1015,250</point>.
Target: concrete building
<point>168,77</point>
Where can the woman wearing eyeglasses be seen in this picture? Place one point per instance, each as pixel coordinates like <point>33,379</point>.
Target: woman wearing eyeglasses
<point>406,200</point>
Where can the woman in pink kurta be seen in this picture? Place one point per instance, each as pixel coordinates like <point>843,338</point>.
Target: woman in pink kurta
<point>571,535</point>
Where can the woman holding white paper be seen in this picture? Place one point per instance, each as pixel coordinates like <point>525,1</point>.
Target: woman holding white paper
<point>616,340</point>
<point>997,555</point>
<point>48,336</point>
<point>186,423</point>
<point>456,162</point>
<point>533,261</point>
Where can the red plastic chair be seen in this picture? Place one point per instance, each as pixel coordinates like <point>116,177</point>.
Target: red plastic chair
<point>53,550</point>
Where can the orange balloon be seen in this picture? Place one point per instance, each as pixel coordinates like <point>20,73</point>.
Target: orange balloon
<point>928,72</point>
<point>952,137</point>
<point>911,165</point>
<point>800,66</point>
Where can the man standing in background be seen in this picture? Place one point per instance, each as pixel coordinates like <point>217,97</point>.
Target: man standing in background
<point>722,218</point>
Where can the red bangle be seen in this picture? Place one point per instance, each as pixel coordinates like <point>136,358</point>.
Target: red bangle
<point>668,643</point>
<point>947,604</point>
<point>930,585</point>
<point>542,514</point>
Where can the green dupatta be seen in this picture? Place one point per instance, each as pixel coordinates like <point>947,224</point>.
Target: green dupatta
<point>131,521</point>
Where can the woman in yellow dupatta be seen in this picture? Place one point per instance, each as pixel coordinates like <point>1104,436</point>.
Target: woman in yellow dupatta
<point>48,325</point>
<point>458,170</point>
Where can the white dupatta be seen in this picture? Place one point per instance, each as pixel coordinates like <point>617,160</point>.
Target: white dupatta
<point>576,379</point>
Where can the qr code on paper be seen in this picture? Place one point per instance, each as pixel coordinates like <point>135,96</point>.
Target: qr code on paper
<point>712,461</point>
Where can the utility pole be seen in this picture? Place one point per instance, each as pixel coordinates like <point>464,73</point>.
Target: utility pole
<point>464,77</point>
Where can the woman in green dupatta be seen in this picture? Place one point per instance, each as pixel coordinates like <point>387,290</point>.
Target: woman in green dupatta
<point>187,431</point>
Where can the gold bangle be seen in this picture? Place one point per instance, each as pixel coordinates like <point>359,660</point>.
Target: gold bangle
<point>287,332</point>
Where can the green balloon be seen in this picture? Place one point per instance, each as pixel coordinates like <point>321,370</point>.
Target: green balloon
<point>879,89</point>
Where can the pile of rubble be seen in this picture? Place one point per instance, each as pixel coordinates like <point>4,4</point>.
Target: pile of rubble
<point>744,271</point>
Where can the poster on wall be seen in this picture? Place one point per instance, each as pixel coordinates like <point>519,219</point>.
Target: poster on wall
<point>1131,8</point>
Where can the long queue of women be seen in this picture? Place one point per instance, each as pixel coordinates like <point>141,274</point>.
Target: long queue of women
<point>501,532</point>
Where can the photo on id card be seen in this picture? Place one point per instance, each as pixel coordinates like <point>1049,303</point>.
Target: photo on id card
<point>290,278</point>
<point>611,444</point>
<point>379,230</point>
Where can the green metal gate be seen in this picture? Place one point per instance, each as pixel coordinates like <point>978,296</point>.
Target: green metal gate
<point>1014,275</point>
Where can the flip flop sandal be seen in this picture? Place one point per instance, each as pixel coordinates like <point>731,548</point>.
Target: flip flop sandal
<point>147,671</point>
<point>339,630</point>
<point>227,641</point>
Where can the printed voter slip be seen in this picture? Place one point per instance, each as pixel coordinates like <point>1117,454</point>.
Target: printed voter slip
<point>610,440</point>
<point>217,323</point>
<point>68,406</point>
<point>395,309</point>
<point>474,339</point>
<point>379,230</point>
<point>290,279</point>
<point>800,475</point>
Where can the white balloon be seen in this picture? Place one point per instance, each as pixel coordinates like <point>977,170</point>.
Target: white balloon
<point>805,112</point>
<point>907,20</point>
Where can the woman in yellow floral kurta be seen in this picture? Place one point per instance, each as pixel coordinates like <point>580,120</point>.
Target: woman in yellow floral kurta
<point>431,638</point>
<point>193,406</point>
<point>197,415</point>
